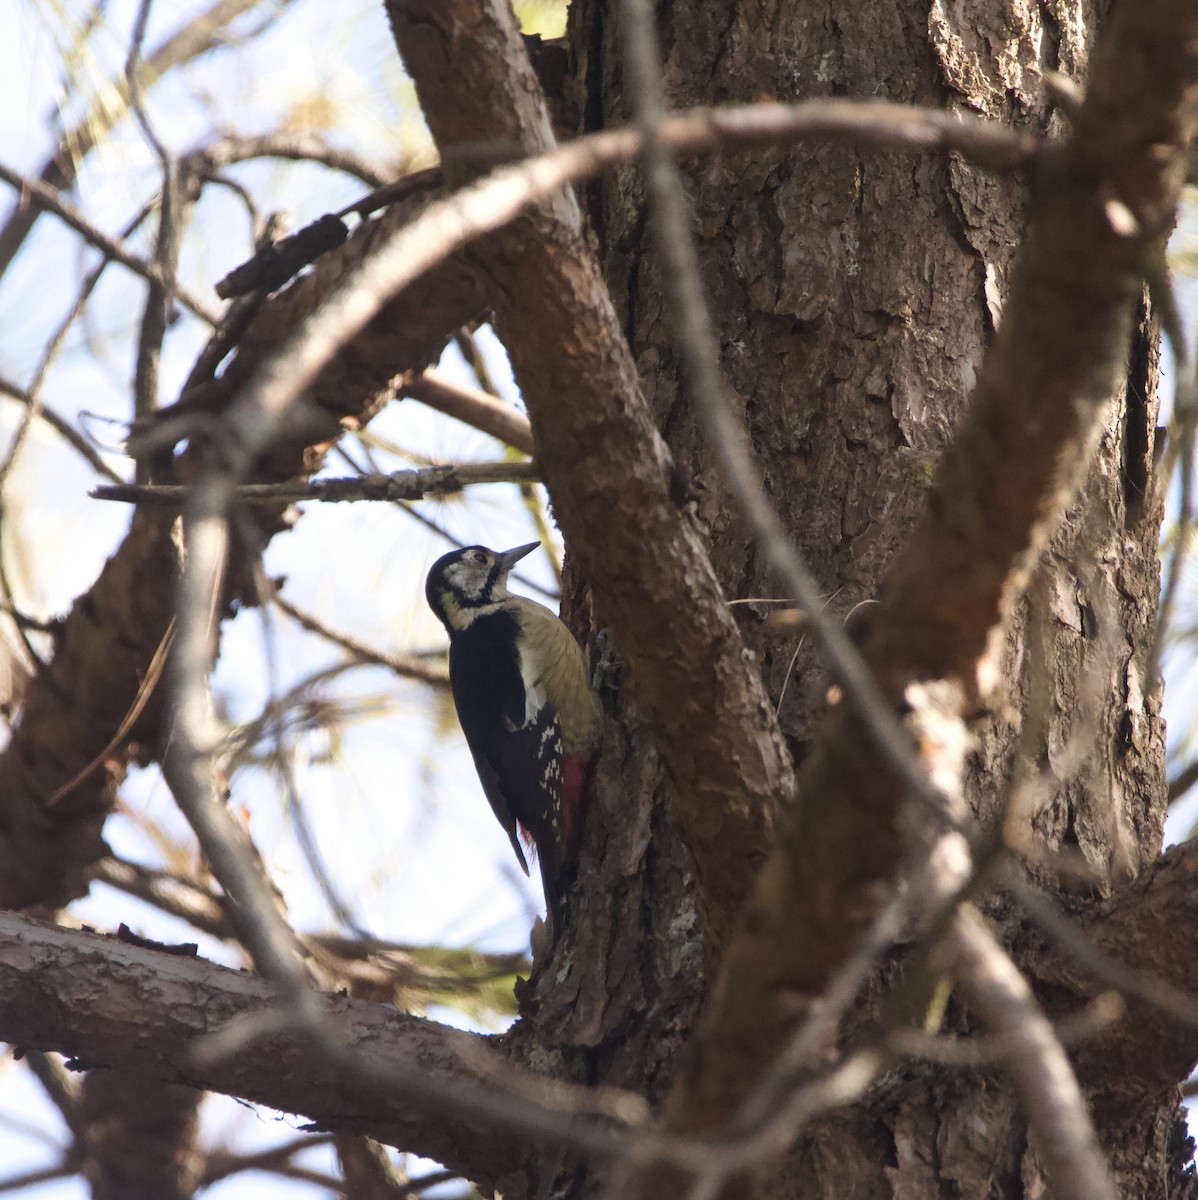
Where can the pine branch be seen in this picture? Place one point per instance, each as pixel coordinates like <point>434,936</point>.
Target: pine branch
<point>400,485</point>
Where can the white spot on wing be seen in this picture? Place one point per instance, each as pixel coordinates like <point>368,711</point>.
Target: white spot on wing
<point>534,697</point>
<point>534,687</point>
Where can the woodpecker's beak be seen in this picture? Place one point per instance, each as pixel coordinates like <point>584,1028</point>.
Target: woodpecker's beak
<point>509,558</point>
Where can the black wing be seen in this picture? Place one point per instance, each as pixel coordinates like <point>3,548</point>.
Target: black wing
<point>510,745</point>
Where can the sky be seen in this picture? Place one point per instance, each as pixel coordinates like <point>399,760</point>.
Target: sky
<point>384,552</point>
<point>395,807</point>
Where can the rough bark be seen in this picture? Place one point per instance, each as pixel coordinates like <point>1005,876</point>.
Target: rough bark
<point>851,339</point>
<point>108,1003</point>
<point>1039,408</point>
<point>1149,926</point>
<point>607,469</point>
<point>139,1140</point>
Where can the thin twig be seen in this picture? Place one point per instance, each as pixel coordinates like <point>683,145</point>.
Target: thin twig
<point>238,317</point>
<point>220,1165</point>
<point>32,398</point>
<point>408,508</point>
<point>290,1170</point>
<point>407,666</point>
<point>144,692</point>
<point>59,1086</point>
<point>402,485</point>
<point>237,747</point>
<point>170,893</point>
<point>343,962</point>
<point>72,216</point>
<point>306,145</point>
<point>29,1179</point>
<point>160,293</point>
<point>203,31</point>
<point>64,429</point>
<point>250,538</point>
<point>34,408</point>
<point>468,347</point>
<point>8,600</point>
<point>992,1050</point>
<point>1185,407</point>
<point>1039,1069</point>
<point>823,1018</point>
<point>239,190</point>
<point>1183,781</point>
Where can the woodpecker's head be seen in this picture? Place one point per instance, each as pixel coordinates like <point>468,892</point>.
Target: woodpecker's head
<point>465,584</point>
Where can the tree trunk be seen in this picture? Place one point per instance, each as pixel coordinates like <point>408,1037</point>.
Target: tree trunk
<point>855,294</point>
<point>859,295</point>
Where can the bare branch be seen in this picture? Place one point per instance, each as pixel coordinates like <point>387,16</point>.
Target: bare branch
<point>401,485</point>
<point>28,1179</point>
<point>53,348</point>
<point>64,429</point>
<point>1094,1017</point>
<point>407,666</point>
<point>172,205</point>
<point>179,897</point>
<point>404,1076</point>
<point>205,31</point>
<point>1037,1065</point>
<point>472,407</point>
<point>138,705</point>
<point>1114,970</point>
<point>1181,783</point>
<point>368,1173</point>
<point>189,761</point>
<point>103,647</point>
<point>386,972</point>
<point>59,1086</point>
<point>1185,422</point>
<point>298,145</point>
<point>102,652</point>
<point>51,200</point>
<point>220,1165</point>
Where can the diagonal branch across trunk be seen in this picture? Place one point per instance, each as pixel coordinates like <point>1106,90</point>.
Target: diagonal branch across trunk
<point>606,466</point>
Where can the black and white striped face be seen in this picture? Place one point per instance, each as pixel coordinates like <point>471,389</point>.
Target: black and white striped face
<point>465,584</point>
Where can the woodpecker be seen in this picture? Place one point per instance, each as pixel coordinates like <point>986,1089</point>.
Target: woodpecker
<point>530,718</point>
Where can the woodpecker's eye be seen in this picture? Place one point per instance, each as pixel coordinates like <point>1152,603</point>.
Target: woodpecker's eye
<point>479,556</point>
